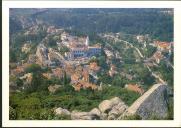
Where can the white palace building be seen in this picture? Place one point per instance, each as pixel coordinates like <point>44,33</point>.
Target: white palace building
<point>79,48</point>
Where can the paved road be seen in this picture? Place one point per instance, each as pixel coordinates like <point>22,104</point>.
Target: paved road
<point>156,76</point>
<point>140,54</point>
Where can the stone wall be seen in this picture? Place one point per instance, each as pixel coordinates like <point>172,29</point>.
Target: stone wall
<point>153,103</point>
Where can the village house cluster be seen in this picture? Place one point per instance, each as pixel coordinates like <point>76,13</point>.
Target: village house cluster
<point>85,77</point>
<point>161,48</point>
<point>79,47</point>
<point>82,75</point>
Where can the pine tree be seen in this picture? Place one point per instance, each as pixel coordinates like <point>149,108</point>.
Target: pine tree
<point>65,79</point>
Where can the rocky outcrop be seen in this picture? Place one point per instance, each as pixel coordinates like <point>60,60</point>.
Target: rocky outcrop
<point>117,110</point>
<point>153,103</point>
<point>112,108</point>
<point>108,109</point>
<point>106,105</point>
<point>95,112</point>
<point>53,89</point>
<point>62,112</point>
<point>75,115</point>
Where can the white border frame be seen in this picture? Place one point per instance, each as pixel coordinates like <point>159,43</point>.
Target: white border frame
<point>91,4</point>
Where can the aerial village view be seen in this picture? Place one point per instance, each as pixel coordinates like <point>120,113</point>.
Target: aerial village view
<point>91,64</point>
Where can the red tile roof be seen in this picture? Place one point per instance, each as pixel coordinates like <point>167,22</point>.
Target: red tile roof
<point>94,66</point>
<point>157,55</point>
<point>164,45</point>
<point>58,72</point>
<point>47,75</point>
<point>84,85</point>
<point>135,88</point>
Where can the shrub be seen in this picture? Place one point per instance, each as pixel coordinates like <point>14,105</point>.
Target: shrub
<point>12,113</point>
<point>33,68</point>
<point>132,117</point>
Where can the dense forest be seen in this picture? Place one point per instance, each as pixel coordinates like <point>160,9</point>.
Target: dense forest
<point>158,23</point>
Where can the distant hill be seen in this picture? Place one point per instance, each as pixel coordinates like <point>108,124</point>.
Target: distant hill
<point>156,22</point>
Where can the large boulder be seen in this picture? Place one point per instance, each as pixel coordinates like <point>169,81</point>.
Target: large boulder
<point>115,101</point>
<point>75,115</point>
<point>53,89</point>
<point>117,110</point>
<point>61,111</point>
<point>95,112</point>
<point>103,116</point>
<point>106,105</point>
<point>153,103</point>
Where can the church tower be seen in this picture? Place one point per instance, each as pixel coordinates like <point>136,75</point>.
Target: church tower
<point>87,41</point>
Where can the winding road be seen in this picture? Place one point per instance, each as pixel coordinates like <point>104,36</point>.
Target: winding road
<point>141,55</point>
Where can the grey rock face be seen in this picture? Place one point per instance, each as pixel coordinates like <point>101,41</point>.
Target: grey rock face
<point>151,104</point>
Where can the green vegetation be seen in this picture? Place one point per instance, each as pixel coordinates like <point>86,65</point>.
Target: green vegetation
<point>166,72</point>
<point>38,103</point>
<point>63,50</point>
<point>170,109</point>
<point>132,117</point>
<point>119,81</point>
<point>16,81</point>
<point>132,21</point>
<point>33,68</point>
<point>12,114</point>
<point>33,99</point>
<point>51,41</point>
<point>149,51</point>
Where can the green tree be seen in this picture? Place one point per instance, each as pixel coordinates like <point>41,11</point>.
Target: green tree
<point>132,117</point>
<point>33,68</point>
<point>12,114</point>
<point>51,41</point>
<point>19,82</point>
<point>118,81</point>
<point>65,78</point>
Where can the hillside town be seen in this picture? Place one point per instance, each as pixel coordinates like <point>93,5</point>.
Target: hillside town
<point>76,60</point>
<point>59,72</point>
<point>79,53</point>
